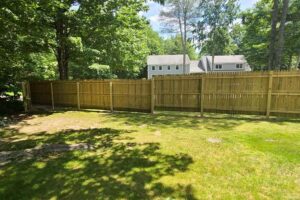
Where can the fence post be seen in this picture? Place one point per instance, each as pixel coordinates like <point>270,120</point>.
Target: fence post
<point>111,96</point>
<point>52,96</point>
<point>24,91</point>
<point>28,95</point>
<point>269,97</point>
<point>202,95</point>
<point>152,95</point>
<point>181,94</point>
<point>78,96</point>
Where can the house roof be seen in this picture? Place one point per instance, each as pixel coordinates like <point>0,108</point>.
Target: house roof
<point>196,67</point>
<point>167,59</point>
<point>233,59</point>
<point>206,61</point>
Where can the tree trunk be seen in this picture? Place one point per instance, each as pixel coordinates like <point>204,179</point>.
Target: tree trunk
<point>62,49</point>
<point>279,50</point>
<point>273,36</point>
<point>298,61</point>
<point>182,43</point>
<point>184,46</point>
<point>213,50</point>
<point>290,61</point>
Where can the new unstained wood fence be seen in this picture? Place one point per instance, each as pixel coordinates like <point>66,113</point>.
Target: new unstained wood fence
<point>254,92</point>
<point>105,94</point>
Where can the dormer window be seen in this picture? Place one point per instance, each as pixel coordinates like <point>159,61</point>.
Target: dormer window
<point>239,66</point>
<point>219,66</point>
<point>169,67</point>
<point>160,67</point>
<point>153,67</point>
<point>177,67</point>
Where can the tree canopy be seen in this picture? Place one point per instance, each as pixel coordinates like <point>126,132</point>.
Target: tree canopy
<point>255,37</point>
<point>67,39</point>
<point>82,39</point>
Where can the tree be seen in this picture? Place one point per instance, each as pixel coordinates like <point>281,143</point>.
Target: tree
<point>281,34</point>
<point>272,50</point>
<point>173,46</point>
<point>224,42</point>
<point>215,18</point>
<point>24,52</point>
<point>179,16</point>
<point>256,31</point>
<point>116,36</point>
<point>275,52</point>
<point>154,42</point>
<point>102,32</point>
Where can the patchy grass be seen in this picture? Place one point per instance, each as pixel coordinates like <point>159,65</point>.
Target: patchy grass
<point>161,156</point>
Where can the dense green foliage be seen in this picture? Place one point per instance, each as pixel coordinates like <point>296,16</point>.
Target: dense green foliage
<point>73,39</point>
<point>216,16</point>
<point>256,30</point>
<point>250,33</point>
<point>173,46</point>
<point>82,39</point>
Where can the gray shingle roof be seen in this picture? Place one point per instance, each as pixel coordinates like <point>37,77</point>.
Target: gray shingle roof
<point>167,60</point>
<point>233,59</point>
<point>196,67</point>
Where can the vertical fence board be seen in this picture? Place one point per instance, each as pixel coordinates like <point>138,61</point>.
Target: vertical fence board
<point>52,95</point>
<point>269,98</point>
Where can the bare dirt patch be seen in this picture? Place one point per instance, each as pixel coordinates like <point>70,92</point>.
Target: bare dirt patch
<point>157,133</point>
<point>52,124</point>
<point>214,140</point>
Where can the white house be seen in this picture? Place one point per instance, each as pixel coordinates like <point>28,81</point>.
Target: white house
<point>233,63</point>
<point>173,64</point>
<point>167,64</point>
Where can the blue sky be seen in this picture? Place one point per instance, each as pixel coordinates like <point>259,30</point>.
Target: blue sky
<point>154,10</point>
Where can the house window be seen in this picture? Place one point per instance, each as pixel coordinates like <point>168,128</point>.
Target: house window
<point>239,66</point>
<point>169,68</point>
<point>160,67</point>
<point>153,67</point>
<point>219,66</point>
<point>177,67</point>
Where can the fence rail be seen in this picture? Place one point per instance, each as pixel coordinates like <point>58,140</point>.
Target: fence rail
<point>265,93</point>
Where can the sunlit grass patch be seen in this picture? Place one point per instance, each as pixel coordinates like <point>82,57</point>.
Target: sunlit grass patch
<point>162,156</point>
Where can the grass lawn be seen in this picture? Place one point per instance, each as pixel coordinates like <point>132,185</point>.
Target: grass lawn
<point>161,156</point>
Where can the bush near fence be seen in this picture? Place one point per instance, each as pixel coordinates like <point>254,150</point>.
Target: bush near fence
<point>269,93</point>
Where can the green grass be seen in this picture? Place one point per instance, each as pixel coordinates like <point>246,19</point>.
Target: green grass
<point>161,156</point>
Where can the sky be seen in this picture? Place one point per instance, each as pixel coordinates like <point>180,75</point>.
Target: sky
<point>154,9</point>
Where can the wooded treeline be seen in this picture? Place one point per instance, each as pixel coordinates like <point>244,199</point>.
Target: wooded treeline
<point>84,39</point>
<point>268,34</point>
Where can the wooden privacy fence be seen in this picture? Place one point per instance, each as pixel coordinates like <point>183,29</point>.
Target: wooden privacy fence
<point>253,92</point>
<point>111,95</point>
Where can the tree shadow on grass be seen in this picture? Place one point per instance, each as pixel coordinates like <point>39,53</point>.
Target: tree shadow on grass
<point>212,121</point>
<point>117,169</point>
<point>162,120</point>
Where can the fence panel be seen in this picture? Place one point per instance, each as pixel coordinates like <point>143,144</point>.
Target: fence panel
<point>94,94</point>
<point>65,93</point>
<point>132,95</point>
<point>286,92</point>
<point>236,92</point>
<point>178,92</point>
<point>40,92</point>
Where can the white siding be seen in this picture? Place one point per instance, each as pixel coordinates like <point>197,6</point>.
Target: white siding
<point>229,67</point>
<point>164,70</point>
